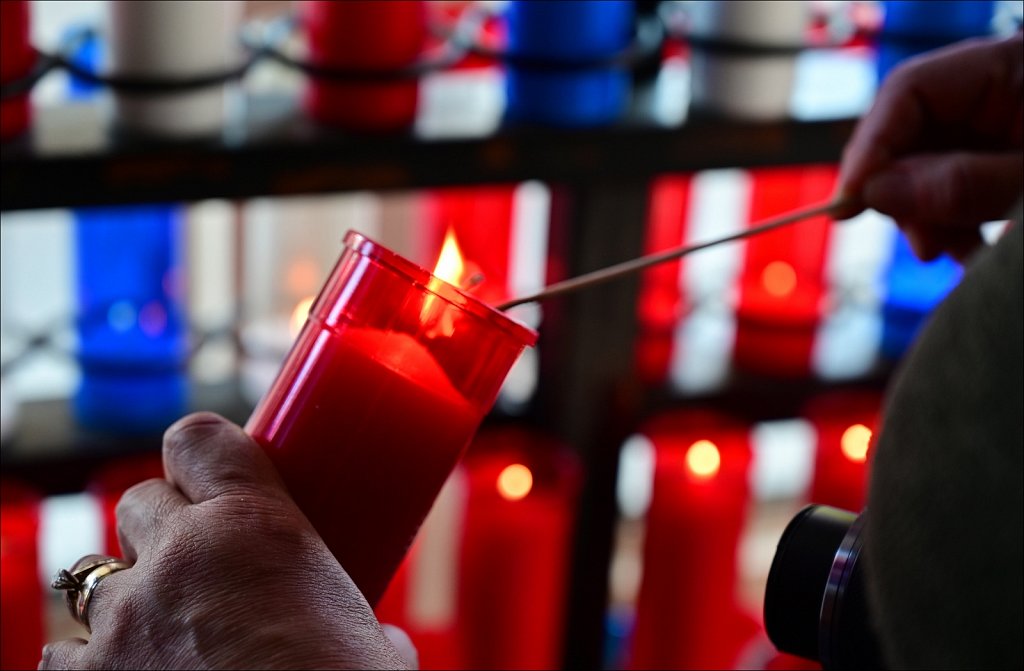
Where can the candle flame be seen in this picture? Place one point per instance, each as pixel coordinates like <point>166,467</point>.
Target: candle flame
<point>854,443</point>
<point>703,459</point>
<point>450,266</point>
<point>515,482</point>
<point>778,279</point>
<point>299,315</point>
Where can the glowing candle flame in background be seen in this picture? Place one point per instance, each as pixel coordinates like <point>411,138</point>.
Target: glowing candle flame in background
<point>778,279</point>
<point>854,443</point>
<point>703,459</point>
<point>515,482</point>
<point>299,315</point>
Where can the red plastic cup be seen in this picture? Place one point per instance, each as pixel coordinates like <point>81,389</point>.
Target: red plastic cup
<point>379,396</point>
<point>16,59</point>
<point>366,35</point>
<point>21,595</point>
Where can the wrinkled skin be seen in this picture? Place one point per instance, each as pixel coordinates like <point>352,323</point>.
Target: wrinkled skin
<point>940,150</point>
<point>227,573</point>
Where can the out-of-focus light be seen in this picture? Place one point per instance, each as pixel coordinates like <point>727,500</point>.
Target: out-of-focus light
<point>121,316</point>
<point>703,459</point>
<point>515,482</point>
<point>299,315</point>
<point>854,443</point>
<point>153,319</point>
<point>778,279</point>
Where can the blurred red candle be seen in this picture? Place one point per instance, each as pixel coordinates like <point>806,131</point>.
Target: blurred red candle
<point>112,481</point>
<point>661,303</point>
<point>688,614</point>
<point>518,529</point>
<point>845,422</point>
<point>366,35</point>
<point>21,594</point>
<point>381,392</point>
<point>16,60</point>
<point>421,598</point>
<point>782,288</point>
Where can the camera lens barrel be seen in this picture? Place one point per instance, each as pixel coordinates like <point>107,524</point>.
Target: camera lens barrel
<point>815,603</point>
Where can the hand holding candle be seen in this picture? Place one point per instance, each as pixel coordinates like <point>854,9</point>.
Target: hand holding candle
<point>382,391</point>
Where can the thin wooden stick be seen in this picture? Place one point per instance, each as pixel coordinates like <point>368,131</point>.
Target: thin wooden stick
<point>638,264</point>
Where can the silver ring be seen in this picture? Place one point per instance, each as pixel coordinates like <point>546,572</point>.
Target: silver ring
<point>81,579</point>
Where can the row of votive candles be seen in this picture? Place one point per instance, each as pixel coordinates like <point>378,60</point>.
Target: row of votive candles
<point>822,299</point>
<point>173,39</point>
<point>485,581</point>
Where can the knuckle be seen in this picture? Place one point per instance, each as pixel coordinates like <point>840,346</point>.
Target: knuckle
<point>139,495</point>
<point>51,657</point>
<point>195,431</point>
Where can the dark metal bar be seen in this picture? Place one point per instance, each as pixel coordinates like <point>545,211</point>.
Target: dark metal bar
<point>71,159</point>
<point>588,392</point>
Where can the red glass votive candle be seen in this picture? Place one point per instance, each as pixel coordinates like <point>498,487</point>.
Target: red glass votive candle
<point>688,612</point>
<point>514,562</point>
<point>16,59</point>
<point>110,483</point>
<point>662,302</point>
<point>782,288</point>
<point>846,422</point>
<point>377,399</point>
<point>21,594</point>
<point>365,35</point>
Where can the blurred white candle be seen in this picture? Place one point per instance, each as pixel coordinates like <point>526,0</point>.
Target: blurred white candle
<point>174,39</point>
<point>747,86</point>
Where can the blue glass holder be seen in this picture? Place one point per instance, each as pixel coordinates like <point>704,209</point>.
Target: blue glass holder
<point>914,289</point>
<point>132,330</point>
<point>562,33</point>
<point>912,27</point>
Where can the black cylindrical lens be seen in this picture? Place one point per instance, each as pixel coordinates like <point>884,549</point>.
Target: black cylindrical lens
<point>798,578</point>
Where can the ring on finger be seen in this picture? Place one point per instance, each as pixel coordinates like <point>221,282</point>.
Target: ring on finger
<point>81,580</point>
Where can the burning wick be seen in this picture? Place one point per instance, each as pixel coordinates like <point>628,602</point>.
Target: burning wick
<point>472,282</point>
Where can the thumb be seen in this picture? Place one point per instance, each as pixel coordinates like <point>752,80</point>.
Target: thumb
<point>952,190</point>
<point>206,456</point>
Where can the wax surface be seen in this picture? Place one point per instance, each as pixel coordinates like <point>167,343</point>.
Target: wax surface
<point>366,430</point>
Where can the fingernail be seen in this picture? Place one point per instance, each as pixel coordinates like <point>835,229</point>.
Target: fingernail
<point>890,193</point>
<point>197,421</point>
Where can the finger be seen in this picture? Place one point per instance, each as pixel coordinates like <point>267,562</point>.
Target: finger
<point>955,190</point>
<point>62,654</point>
<point>403,644</point>
<point>141,511</point>
<point>112,607</point>
<point>206,456</point>
<point>919,94</point>
<point>929,243</point>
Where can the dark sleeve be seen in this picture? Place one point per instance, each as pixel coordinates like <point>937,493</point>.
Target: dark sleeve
<point>945,527</point>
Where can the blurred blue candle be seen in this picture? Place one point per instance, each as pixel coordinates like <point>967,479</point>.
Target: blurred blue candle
<point>913,289</point>
<point>567,32</point>
<point>911,27</point>
<point>131,323</point>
